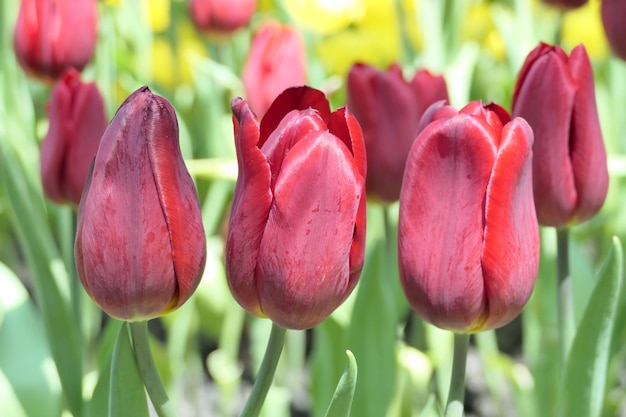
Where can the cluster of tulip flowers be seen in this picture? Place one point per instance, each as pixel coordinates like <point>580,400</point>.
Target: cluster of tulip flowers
<point>472,186</point>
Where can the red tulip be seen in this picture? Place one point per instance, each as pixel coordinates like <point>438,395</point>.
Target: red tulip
<point>140,244</point>
<point>613,12</point>
<point>221,15</point>
<point>296,236</point>
<point>276,61</point>
<point>389,110</point>
<point>53,35</point>
<point>77,122</point>
<point>566,4</point>
<point>555,94</point>
<point>468,239</point>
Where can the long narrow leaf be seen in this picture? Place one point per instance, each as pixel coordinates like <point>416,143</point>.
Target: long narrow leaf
<point>344,393</point>
<point>127,396</point>
<point>584,380</point>
<point>51,292</point>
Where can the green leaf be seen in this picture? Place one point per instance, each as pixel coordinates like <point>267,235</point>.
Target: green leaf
<point>342,399</point>
<point>372,332</point>
<point>50,278</point>
<point>127,396</point>
<point>329,340</point>
<point>584,380</point>
<point>26,369</point>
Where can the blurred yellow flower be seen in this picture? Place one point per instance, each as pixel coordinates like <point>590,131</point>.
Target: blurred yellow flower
<point>478,26</point>
<point>373,37</point>
<point>410,10</point>
<point>584,25</point>
<point>325,16</point>
<point>171,66</point>
<point>158,13</point>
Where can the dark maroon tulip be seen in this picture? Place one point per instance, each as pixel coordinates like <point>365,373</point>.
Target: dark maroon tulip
<point>77,122</point>
<point>297,228</point>
<point>613,13</point>
<point>221,15</point>
<point>140,244</point>
<point>555,94</point>
<point>53,35</point>
<point>566,4</point>
<point>276,61</point>
<point>389,109</point>
<point>468,238</point>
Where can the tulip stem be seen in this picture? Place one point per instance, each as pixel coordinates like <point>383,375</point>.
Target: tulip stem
<point>266,372</point>
<point>456,394</point>
<point>565,300</point>
<point>151,379</point>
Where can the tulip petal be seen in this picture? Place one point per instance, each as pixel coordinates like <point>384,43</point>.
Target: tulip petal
<point>554,184</point>
<point>250,209</point>
<point>511,242</point>
<point>304,261</point>
<point>441,220</point>
<point>56,144</point>
<point>124,275</point>
<point>344,125</point>
<point>587,153</point>
<point>178,197</point>
<point>294,98</point>
<point>294,126</point>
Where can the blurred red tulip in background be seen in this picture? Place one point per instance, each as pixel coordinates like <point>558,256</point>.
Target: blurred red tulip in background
<point>53,35</point>
<point>77,121</point>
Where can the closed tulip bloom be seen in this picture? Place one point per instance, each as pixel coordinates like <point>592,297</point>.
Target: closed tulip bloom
<point>77,122</point>
<point>468,239</point>
<point>53,35</point>
<point>389,109</point>
<point>613,12</point>
<point>140,245</point>
<point>276,61</point>
<point>221,15</point>
<point>296,235</point>
<point>555,94</point>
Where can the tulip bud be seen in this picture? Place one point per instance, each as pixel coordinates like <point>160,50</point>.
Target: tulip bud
<point>221,15</point>
<point>140,245</point>
<point>468,239</point>
<point>276,61</point>
<point>77,122</point>
<point>613,12</point>
<point>389,109</point>
<point>555,94</point>
<point>53,35</point>
<point>296,234</point>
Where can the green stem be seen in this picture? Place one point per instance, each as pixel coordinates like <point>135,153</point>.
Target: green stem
<point>558,36</point>
<point>564,293</point>
<point>266,372</point>
<point>151,379</point>
<point>456,394</point>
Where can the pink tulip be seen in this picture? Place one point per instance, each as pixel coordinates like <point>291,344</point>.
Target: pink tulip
<point>276,61</point>
<point>221,15</point>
